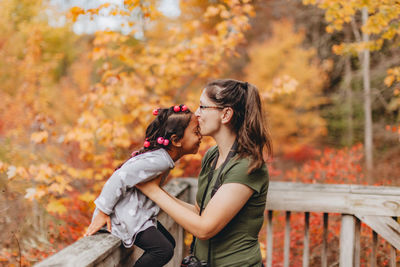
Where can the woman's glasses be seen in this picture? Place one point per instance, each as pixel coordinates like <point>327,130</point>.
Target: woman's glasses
<point>206,107</point>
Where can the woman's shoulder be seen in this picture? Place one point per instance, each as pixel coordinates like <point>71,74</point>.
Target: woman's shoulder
<point>237,172</point>
<point>209,155</point>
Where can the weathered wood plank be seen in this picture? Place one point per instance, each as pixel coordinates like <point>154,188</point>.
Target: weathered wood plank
<point>336,188</point>
<point>386,227</point>
<point>349,199</point>
<point>88,251</point>
<point>347,241</point>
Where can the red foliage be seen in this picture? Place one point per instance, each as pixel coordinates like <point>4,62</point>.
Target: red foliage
<point>301,154</point>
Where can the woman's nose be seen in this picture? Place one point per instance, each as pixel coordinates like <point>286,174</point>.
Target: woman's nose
<point>197,112</point>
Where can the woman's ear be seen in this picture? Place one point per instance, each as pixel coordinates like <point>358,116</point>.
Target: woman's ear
<point>227,114</point>
<point>175,141</point>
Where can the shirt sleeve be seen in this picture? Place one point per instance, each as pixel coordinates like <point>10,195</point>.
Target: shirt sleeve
<point>257,180</point>
<point>141,169</point>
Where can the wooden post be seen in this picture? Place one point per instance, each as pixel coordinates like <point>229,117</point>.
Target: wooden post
<point>306,245</point>
<point>374,252</point>
<point>324,257</point>
<point>286,250</point>
<point>347,241</point>
<point>357,240</point>
<point>393,252</point>
<point>270,237</point>
<point>392,256</point>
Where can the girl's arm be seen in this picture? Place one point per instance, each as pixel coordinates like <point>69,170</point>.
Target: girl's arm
<point>224,205</point>
<point>149,166</point>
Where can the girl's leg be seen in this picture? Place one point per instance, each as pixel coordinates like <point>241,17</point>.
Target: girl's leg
<point>165,232</point>
<point>158,248</point>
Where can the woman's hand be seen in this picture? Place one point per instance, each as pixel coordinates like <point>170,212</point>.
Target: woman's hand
<point>99,221</point>
<point>149,187</point>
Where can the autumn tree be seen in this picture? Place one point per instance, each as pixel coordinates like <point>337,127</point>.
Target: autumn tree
<point>290,79</point>
<point>155,64</point>
<point>378,26</point>
<point>38,97</point>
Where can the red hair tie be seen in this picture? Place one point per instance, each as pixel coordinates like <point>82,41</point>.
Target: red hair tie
<point>180,108</point>
<point>155,111</point>
<point>162,141</point>
<point>146,144</point>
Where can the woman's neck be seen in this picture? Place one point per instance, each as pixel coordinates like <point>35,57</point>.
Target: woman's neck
<point>225,139</point>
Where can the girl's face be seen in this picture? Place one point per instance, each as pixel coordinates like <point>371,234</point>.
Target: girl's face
<point>191,137</point>
<point>208,115</point>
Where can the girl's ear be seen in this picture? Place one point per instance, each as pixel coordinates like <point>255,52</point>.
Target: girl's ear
<point>227,114</point>
<point>175,141</point>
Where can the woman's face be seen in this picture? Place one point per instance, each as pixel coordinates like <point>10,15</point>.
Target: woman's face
<point>208,115</point>
<point>191,137</point>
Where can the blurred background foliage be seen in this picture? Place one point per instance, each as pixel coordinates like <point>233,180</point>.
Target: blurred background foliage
<point>79,80</point>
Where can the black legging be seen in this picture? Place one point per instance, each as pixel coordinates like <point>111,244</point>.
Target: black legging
<point>158,245</point>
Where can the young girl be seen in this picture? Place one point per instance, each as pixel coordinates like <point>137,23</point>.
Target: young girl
<point>128,213</point>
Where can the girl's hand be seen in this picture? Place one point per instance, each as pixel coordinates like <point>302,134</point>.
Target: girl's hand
<point>99,221</point>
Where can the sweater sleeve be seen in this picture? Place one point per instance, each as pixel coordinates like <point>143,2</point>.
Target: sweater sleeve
<point>139,169</point>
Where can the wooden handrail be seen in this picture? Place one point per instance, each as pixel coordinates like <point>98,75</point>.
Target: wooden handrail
<point>103,249</point>
<point>374,205</point>
<point>333,198</point>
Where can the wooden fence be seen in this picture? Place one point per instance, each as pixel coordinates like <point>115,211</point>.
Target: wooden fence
<point>375,206</point>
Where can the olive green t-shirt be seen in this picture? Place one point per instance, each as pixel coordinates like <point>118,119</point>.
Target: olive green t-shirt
<point>237,243</point>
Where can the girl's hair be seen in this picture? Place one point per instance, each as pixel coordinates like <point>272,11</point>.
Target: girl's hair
<point>247,121</point>
<point>167,123</point>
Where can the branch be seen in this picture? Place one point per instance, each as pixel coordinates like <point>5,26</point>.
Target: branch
<point>19,248</point>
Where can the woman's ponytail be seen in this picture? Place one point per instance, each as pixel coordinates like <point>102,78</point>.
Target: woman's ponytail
<point>253,136</point>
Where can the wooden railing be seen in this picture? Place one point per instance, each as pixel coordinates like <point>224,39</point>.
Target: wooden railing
<point>106,250</point>
<point>375,206</point>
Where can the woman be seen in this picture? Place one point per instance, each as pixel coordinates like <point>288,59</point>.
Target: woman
<point>227,229</point>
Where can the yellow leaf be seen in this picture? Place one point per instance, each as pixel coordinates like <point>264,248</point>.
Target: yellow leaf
<point>56,206</point>
<point>87,197</point>
<point>40,137</point>
<point>74,13</point>
<point>389,80</point>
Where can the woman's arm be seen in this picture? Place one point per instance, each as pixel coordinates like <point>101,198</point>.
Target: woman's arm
<point>194,208</point>
<point>224,205</point>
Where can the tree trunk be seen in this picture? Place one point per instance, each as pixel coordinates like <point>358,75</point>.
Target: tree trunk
<point>367,104</point>
<point>348,93</point>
